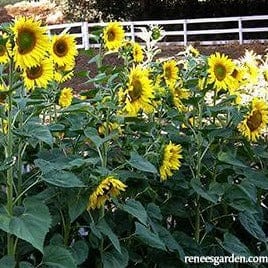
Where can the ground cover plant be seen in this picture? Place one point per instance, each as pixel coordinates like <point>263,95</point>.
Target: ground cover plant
<point>160,159</point>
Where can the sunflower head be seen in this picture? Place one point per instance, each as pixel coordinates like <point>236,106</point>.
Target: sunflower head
<point>137,53</point>
<point>66,97</point>
<point>31,42</point>
<point>139,92</point>
<point>220,71</point>
<point>178,94</point>
<point>170,160</point>
<point>108,188</point>
<point>255,121</point>
<point>170,72</point>
<point>39,75</point>
<point>64,50</point>
<point>113,36</point>
<point>5,49</point>
<point>63,73</point>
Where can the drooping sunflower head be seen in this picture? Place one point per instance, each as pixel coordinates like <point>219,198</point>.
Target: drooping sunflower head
<point>63,73</point>
<point>170,160</point>
<point>39,75</point>
<point>64,50</point>
<point>5,49</point>
<point>178,94</point>
<point>113,36</point>
<point>66,97</point>
<point>170,72</point>
<point>192,51</point>
<point>252,72</point>
<point>139,92</point>
<point>238,76</point>
<point>31,42</point>
<point>109,187</point>
<point>137,53</point>
<point>220,69</point>
<point>255,121</point>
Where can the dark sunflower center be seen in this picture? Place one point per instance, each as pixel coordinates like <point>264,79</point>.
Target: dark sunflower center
<point>111,36</point>
<point>26,41</point>
<point>234,73</point>
<point>220,72</point>
<point>254,121</point>
<point>60,48</point>
<point>136,92</point>
<point>168,72</point>
<point>2,50</point>
<point>34,72</point>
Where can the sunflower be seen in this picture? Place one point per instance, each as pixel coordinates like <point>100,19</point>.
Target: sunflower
<point>137,53</point>
<point>64,50</point>
<point>252,72</point>
<point>220,71</point>
<point>139,92</point>
<point>170,72</point>
<point>31,42</point>
<point>5,49</point>
<point>39,75</point>
<point>113,36</point>
<point>178,94</point>
<point>63,73</point>
<point>66,97</point>
<point>109,187</point>
<point>255,121</point>
<point>108,127</point>
<point>171,160</point>
<point>3,93</point>
<point>192,51</point>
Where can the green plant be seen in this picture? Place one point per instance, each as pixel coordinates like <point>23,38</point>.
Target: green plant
<point>161,159</point>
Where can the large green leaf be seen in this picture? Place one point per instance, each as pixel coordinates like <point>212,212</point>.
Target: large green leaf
<point>39,132</point>
<point>251,225</point>
<point>199,189</point>
<point>229,158</point>
<point>53,175</point>
<point>169,240</point>
<point>32,225</point>
<point>58,257</point>
<point>77,205</point>
<point>238,198</point>
<point>149,238</point>
<point>25,264</point>
<point>234,246</point>
<point>256,177</point>
<point>104,228</point>
<point>140,163</point>
<point>113,259</point>
<point>80,251</point>
<point>7,262</point>
<point>136,209</point>
<point>93,135</point>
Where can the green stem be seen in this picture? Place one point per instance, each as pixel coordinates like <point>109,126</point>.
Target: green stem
<point>9,154</point>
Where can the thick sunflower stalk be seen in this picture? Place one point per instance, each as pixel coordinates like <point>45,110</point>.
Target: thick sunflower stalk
<point>31,60</point>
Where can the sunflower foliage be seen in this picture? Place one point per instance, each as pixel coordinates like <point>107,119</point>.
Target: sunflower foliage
<point>160,159</point>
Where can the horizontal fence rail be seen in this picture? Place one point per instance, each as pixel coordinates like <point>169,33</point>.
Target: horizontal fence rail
<point>205,31</point>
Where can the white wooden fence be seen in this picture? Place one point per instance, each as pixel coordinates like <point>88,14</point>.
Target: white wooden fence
<point>206,31</point>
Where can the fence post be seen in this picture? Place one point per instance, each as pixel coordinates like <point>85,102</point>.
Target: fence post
<point>185,32</point>
<point>85,35</point>
<point>240,30</point>
<point>132,32</point>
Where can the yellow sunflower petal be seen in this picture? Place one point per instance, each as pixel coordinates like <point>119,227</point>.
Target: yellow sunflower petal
<point>113,36</point>
<point>31,42</point>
